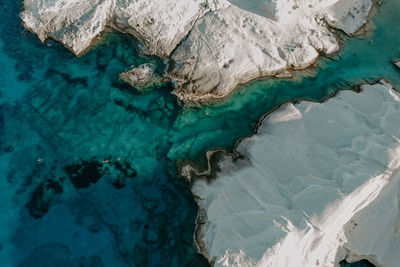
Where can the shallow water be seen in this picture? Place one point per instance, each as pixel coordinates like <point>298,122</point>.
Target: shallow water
<point>65,118</point>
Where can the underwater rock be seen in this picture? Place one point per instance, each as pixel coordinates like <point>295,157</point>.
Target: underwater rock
<point>84,173</point>
<point>214,45</point>
<point>323,177</point>
<point>142,77</point>
<point>39,202</point>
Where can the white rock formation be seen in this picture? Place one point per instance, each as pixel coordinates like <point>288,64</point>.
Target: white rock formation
<point>233,45</point>
<point>373,233</point>
<point>75,23</point>
<point>160,25</point>
<point>228,43</point>
<point>310,172</point>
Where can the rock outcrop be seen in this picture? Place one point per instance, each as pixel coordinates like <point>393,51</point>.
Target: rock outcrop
<point>215,45</point>
<point>317,182</point>
<point>142,77</point>
<point>233,46</point>
<point>160,25</point>
<point>74,23</point>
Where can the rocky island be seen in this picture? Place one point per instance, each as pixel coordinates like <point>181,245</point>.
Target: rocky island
<point>142,78</point>
<point>213,45</point>
<point>311,184</point>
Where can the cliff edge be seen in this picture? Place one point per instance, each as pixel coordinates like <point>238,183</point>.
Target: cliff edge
<point>214,45</point>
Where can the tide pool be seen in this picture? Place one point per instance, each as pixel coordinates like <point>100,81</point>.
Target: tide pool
<point>65,118</point>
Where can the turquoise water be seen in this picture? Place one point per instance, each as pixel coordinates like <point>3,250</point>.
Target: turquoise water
<point>358,61</point>
<point>88,165</point>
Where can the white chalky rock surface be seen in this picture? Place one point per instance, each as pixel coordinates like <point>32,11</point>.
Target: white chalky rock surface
<point>228,42</point>
<point>309,171</point>
<point>160,25</point>
<point>75,23</point>
<point>234,45</point>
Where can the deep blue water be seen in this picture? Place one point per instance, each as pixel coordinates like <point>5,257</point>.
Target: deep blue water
<point>88,165</point>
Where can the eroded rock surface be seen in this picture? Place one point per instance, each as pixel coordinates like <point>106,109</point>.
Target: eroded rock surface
<point>232,46</point>
<point>228,42</point>
<point>160,25</point>
<point>142,77</point>
<point>74,23</point>
<point>316,178</point>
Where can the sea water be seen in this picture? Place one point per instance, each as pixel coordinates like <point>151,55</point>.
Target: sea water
<point>88,165</point>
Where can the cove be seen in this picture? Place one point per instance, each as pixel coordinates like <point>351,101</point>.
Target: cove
<point>64,118</point>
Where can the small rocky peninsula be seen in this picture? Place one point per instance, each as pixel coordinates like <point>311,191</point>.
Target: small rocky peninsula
<point>213,46</point>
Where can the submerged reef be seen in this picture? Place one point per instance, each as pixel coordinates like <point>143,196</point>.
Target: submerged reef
<point>308,186</point>
<point>213,45</point>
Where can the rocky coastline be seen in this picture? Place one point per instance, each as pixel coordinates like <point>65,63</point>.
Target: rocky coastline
<point>223,166</point>
<point>211,50</point>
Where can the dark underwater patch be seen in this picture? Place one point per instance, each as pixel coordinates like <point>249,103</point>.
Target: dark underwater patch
<point>361,263</point>
<point>198,260</point>
<point>118,184</point>
<point>125,168</point>
<point>80,80</point>
<point>41,197</point>
<point>84,173</point>
<point>125,87</point>
<point>130,108</point>
<point>25,73</point>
